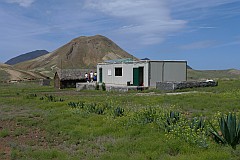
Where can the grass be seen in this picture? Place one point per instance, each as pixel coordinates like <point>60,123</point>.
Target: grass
<point>57,130</point>
<point>4,133</point>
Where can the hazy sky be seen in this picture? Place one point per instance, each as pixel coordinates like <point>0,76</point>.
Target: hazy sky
<point>206,33</point>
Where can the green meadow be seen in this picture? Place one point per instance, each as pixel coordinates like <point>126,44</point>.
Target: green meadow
<point>44,123</point>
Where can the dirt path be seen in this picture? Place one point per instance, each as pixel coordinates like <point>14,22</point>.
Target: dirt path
<point>174,93</point>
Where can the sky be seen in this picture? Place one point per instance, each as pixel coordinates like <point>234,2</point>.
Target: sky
<point>206,33</point>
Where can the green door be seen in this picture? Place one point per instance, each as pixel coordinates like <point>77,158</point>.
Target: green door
<point>100,75</point>
<point>136,76</point>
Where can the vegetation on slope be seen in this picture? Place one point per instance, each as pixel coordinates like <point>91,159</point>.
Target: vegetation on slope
<point>4,76</point>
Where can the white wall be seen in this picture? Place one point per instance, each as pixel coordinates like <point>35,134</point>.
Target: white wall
<point>108,72</point>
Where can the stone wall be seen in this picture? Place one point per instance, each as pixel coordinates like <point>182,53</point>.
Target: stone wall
<point>187,84</point>
<point>85,86</point>
<point>45,82</point>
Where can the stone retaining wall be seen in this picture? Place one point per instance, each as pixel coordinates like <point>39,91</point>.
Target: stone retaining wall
<point>187,84</point>
<point>85,86</point>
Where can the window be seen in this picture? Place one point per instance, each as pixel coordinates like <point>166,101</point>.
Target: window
<point>118,71</point>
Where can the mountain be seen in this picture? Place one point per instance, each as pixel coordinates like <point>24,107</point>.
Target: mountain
<point>26,57</point>
<point>145,59</point>
<point>8,73</point>
<point>82,52</point>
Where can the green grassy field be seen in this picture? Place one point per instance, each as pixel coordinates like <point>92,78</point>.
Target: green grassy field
<point>43,123</point>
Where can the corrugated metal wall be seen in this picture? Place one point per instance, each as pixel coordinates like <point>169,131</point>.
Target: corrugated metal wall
<point>163,71</point>
<point>156,69</point>
<point>175,71</point>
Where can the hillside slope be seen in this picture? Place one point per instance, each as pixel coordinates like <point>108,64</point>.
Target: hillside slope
<point>8,73</point>
<point>26,57</point>
<point>213,74</point>
<point>81,52</point>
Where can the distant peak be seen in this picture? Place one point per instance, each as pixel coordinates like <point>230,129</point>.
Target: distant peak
<point>26,56</point>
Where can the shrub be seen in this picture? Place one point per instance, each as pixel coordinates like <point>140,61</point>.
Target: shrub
<point>51,98</point>
<point>79,104</point>
<point>95,108</point>
<point>149,115</point>
<point>118,112</point>
<point>97,86</point>
<point>31,96</point>
<point>103,86</point>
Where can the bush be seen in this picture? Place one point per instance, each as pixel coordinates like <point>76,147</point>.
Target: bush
<point>118,112</point>
<point>149,115</point>
<point>97,86</point>
<point>103,86</point>
<point>51,98</point>
<point>79,104</point>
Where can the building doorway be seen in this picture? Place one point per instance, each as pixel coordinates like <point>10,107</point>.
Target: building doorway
<point>100,75</point>
<point>138,76</point>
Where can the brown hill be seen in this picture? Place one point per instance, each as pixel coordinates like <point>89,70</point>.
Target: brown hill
<point>81,52</point>
<point>8,74</point>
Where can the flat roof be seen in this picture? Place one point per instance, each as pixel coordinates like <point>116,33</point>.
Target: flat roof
<point>164,60</point>
<point>141,61</point>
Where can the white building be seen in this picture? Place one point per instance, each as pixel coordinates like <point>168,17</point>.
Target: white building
<point>141,73</point>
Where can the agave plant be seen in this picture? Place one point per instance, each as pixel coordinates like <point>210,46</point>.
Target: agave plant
<point>197,123</point>
<point>118,112</point>
<point>171,120</point>
<point>229,131</point>
<point>173,117</point>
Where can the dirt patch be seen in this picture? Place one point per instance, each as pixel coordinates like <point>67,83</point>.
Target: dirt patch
<point>18,136</point>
